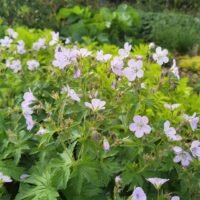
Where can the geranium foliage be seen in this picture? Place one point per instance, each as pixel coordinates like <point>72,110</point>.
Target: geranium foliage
<point>94,122</point>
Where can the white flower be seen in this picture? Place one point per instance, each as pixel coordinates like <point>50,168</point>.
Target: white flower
<point>152,45</point>
<point>77,73</point>
<point>24,176</point>
<point>170,132</point>
<point>42,131</point>
<point>12,33</point>
<point>174,69</point>
<point>193,120</point>
<point>106,144</point>
<point>40,44</point>
<point>67,41</point>
<point>117,65</point>
<point>4,178</point>
<point>157,182</point>
<point>33,64</point>
<point>102,57</point>
<point>15,65</point>
<point>182,156</point>
<point>118,180</point>
<point>61,58</point>
<point>134,70</point>
<point>6,42</point>
<point>55,38</point>
<point>27,111</point>
<point>71,93</point>
<point>161,56</point>
<point>175,198</point>
<point>125,51</point>
<point>195,149</point>
<point>171,107</point>
<point>138,194</point>
<point>83,52</point>
<point>28,97</point>
<point>21,47</point>
<point>96,104</point>
<point>142,85</point>
<point>140,126</point>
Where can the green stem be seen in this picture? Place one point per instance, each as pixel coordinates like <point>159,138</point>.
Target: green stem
<point>158,195</point>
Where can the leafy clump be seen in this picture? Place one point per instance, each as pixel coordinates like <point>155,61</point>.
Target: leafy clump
<point>89,122</point>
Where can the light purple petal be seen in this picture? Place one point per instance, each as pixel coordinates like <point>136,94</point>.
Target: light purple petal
<point>139,133</point>
<point>147,129</point>
<point>133,127</point>
<point>137,119</point>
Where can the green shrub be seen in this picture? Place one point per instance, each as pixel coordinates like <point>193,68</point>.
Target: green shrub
<point>173,31</point>
<point>56,145</point>
<point>190,67</point>
<point>104,25</point>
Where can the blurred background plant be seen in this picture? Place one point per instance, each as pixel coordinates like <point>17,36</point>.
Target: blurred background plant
<point>172,24</point>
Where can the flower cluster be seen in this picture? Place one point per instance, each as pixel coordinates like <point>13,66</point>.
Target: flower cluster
<point>27,111</point>
<point>15,65</point>
<point>90,103</point>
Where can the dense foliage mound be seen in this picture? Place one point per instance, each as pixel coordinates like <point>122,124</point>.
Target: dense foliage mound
<point>85,123</point>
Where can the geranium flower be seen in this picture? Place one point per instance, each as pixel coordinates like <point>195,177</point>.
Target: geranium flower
<point>140,126</point>
<point>118,180</point>
<point>161,56</point>
<point>67,41</point>
<point>83,52</point>
<point>171,107</point>
<point>42,131</point>
<point>27,111</point>
<point>170,132</point>
<point>174,69</point>
<point>106,144</point>
<point>117,65</point>
<point>101,57</point>
<point>21,47</point>
<point>125,51</point>
<point>157,182</point>
<point>33,64</point>
<point>182,156</point>
<point>29,122</point>
<point>24,176</point>
<point>6,42</point>
<point>55,38</point>
<point>28,97</point>
<point>71,93</point>
<point>152,45</point>
<point>138,194</point>
<point>77,73</point>
<point>96,104</point>
<point>40,44</point>
<point>195,149</point>
<point>12,33</point>
<point>134,70</point>
<point>4,178</point>
<point>175,198</point>
<point>15,65</point>
<point>193,120</point>
<point>62,59</point>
